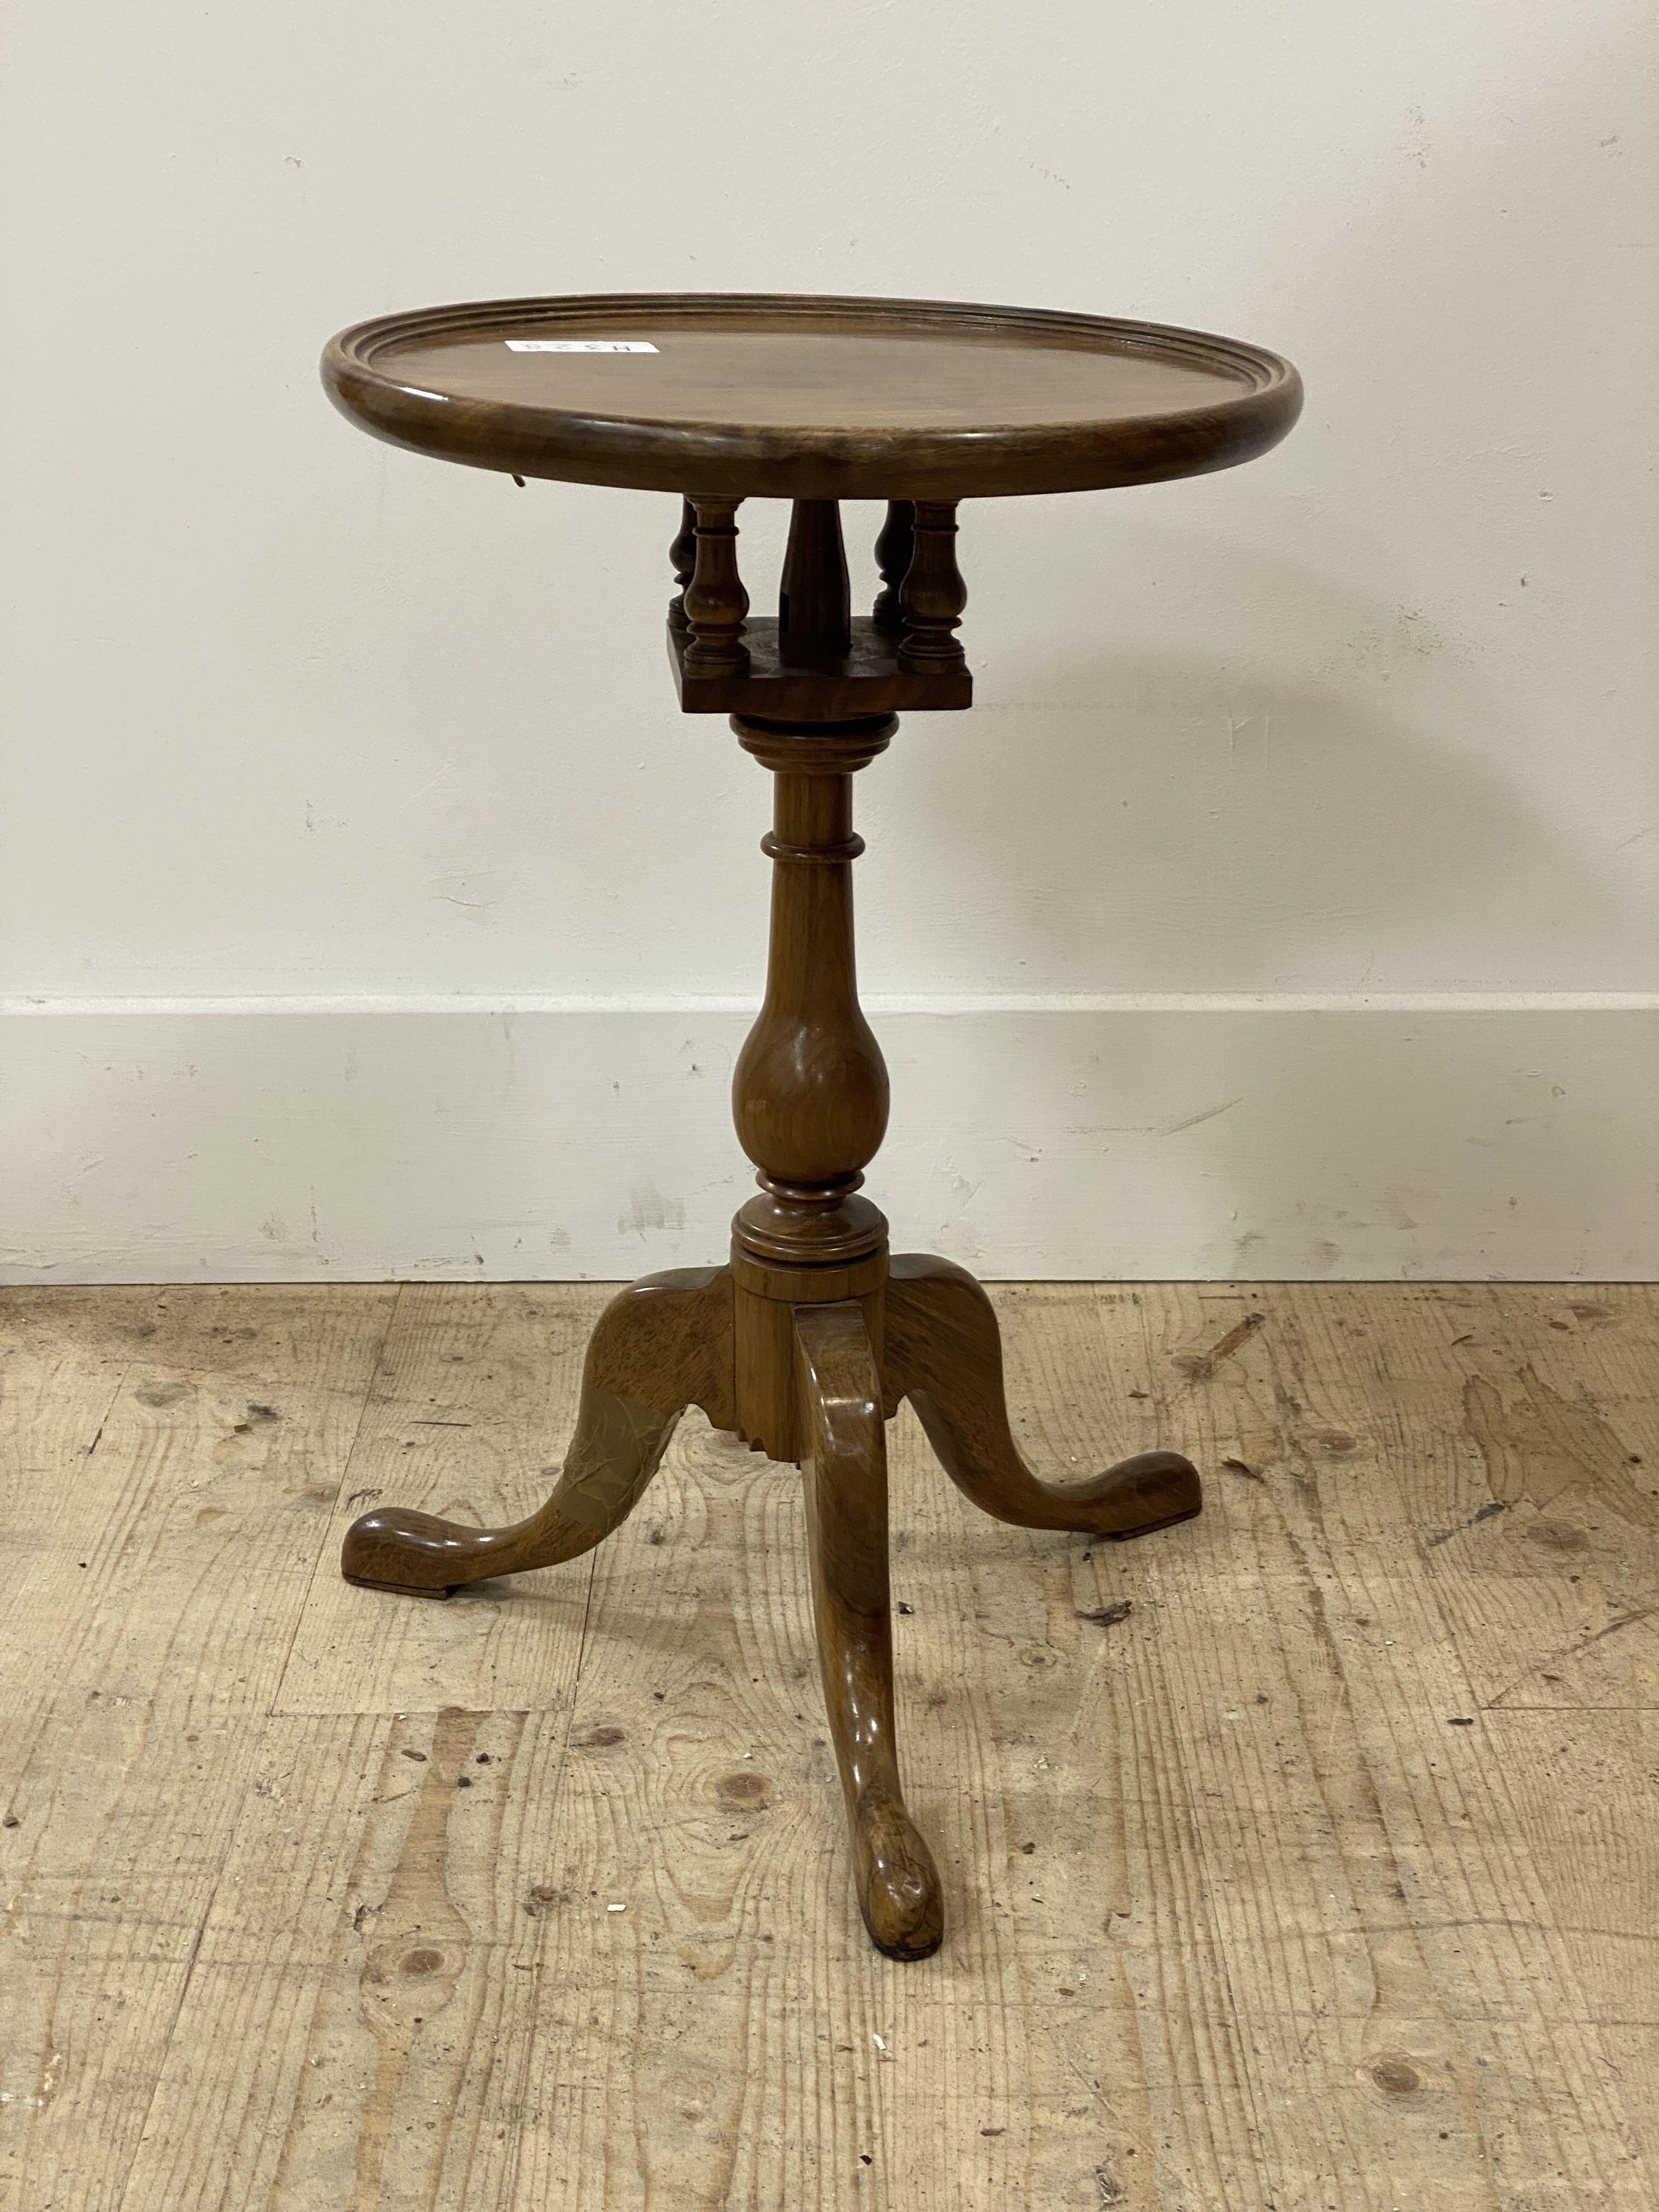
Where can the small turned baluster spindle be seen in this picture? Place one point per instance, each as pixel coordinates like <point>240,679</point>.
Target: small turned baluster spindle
<point>683,559</point>
<point>933,595</point>
<point>894,547</point>
<point>715,601</point>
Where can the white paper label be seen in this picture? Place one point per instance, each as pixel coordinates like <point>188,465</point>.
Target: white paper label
<point>579,345</point>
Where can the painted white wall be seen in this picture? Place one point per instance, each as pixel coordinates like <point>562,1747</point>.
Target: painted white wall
<point>1337,770</point>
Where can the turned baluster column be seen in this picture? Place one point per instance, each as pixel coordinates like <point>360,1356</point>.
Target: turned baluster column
<point>894,548</point>
<point>809,1093</point>
<point>814,608</point>
<point>715,601</point>
<point>933,595</point>
<point>683,559</point>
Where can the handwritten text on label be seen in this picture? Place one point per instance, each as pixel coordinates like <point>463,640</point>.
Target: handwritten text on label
<point>579,345</point>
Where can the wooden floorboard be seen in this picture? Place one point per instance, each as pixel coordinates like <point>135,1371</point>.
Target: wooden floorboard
<point>1305,1855</point>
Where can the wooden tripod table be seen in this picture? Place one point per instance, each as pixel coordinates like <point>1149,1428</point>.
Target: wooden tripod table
<point>805,1343</point>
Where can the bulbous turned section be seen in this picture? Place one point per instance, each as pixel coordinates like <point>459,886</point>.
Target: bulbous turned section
<point>809,1093</point>
<point>893,549</point>
<point>933,595</point>
<point>714,602</point>
<point>683,559</point>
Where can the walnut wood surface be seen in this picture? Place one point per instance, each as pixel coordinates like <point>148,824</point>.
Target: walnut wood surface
<point>662,1344</point>
<point>894,548</point>
<point>783,396</point>
<point>683,560</point>
<point>715,601</point>
<point>896,1881</point>
<point>867,680</point>
<point>815,596</point>
<point>808,1091</point>
<point>933,595</point>
<point>817,662</point>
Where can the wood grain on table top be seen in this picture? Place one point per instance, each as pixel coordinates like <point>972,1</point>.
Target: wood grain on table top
<point>785,396</point>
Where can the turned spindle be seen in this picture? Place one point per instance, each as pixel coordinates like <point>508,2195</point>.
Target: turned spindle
<point>683,559</point>
<point>809,1092</point>
<point>814,617</point>
<point>894,547</point>
<point>715,601</point>
<point>933,595</point>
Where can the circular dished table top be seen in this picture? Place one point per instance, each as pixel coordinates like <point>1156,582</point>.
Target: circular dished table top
<point>790,396</point>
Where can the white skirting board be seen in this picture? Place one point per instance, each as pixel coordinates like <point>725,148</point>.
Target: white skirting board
<point>293,1141</point>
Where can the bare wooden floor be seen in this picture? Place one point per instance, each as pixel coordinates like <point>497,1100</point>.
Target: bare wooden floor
<point>1306,1856</point>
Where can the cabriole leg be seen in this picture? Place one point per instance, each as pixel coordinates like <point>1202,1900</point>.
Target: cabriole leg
<point>662,1344</point>
<point>945,1354</point>
<point>898,1883</point>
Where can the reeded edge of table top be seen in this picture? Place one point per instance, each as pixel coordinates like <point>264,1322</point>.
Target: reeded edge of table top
<point>733,460</point>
